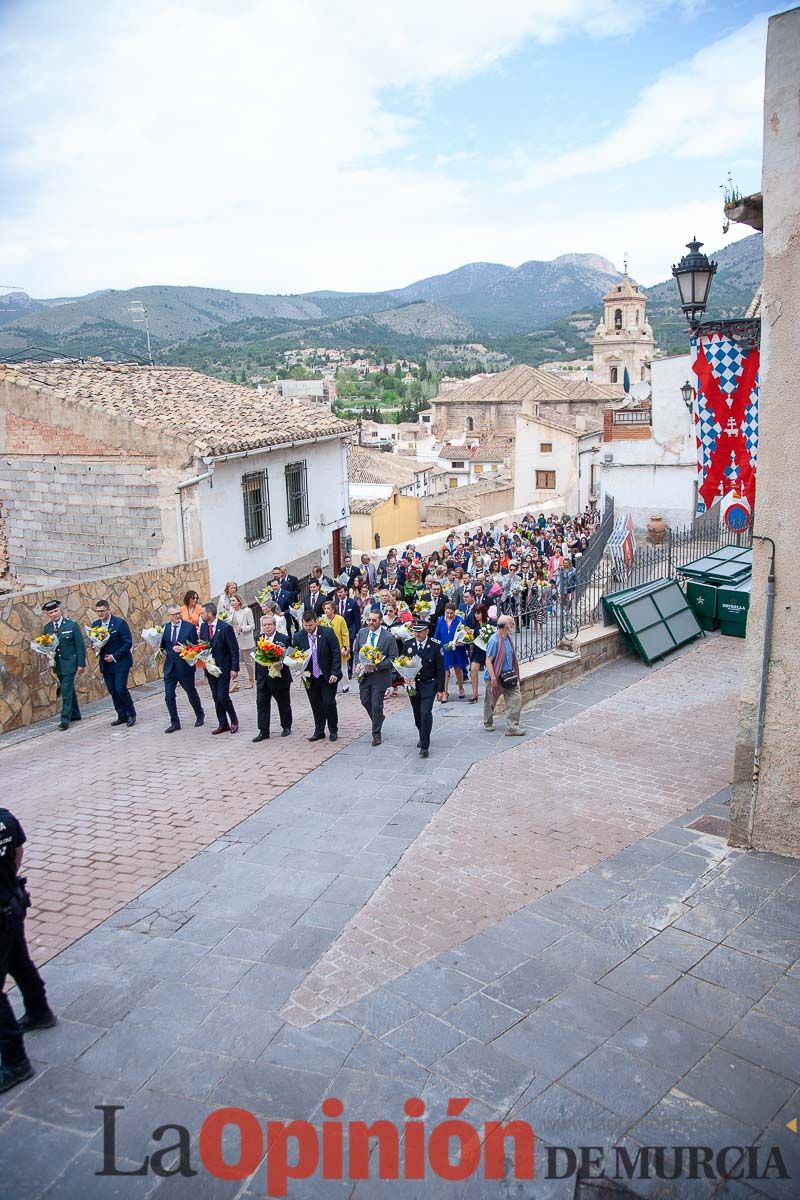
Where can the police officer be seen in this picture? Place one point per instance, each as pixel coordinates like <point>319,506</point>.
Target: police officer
<point>429,683</point>
<point>15,961</point>
<point>70,659</point>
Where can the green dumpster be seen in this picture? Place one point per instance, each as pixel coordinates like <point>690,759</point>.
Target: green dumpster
<point>733,604</point>
<point>654,618</point>
<point>728,565</point>
<point>702,599</point>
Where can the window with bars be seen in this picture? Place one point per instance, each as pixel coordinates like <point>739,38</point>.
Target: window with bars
<point>296,495</point>
<point>255,497</point>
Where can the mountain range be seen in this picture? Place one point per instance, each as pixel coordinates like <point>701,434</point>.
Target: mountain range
<point>487,302</point>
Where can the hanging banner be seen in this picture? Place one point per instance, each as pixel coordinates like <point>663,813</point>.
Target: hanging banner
<point>726,418</point>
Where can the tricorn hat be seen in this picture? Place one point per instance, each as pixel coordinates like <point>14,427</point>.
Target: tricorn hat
<point>51,605</point>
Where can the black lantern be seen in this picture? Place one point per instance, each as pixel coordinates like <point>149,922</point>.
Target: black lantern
<point>687,393</point>
<point>693,275</point>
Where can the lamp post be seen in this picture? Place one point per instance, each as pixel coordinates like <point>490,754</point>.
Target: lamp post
<point>687,394</point>
<point>693,275</point>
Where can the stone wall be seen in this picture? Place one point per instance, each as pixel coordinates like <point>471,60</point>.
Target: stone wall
<point>27,688</point>
<point>72,518</point>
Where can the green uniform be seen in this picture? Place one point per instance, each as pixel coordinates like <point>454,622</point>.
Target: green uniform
<point>71,655</point>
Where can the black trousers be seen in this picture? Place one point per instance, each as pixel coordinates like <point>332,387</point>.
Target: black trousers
<point>266,692</point>
<point>322,698</point>
<point>115,677</point>
<point>190,688</point>
<point>69,699</point>
<point>221,691</point>
<point>16,962</point>
<point>422,707</point>
<point>371,690</point>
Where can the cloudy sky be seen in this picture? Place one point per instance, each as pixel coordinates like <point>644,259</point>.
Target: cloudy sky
<point>284,146</point>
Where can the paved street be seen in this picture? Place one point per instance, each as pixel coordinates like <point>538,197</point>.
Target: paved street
<point>635,983</point>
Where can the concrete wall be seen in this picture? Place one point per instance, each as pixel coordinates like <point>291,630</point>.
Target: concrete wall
<point>28,689</point>
<point>73,517</point>
<point>774,822</point>
<point>221,515</point>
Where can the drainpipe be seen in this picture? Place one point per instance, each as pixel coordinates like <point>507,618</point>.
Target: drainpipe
<point>179,509</point>
<point>762,694</point>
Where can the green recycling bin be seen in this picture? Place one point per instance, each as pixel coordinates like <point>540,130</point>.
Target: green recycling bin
<point>733,605</point>
<point>702,599</point>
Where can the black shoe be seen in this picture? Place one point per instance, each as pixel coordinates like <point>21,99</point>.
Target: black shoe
<point>131,722</point>
<point>332,737</point>
<point>64,725</point>
<point>423,753</point>
<point>11,1076</point>
<point>261,737</point>
<point>317,737</point>
<point>119,721</point>
<point>285,732</point>
<point>31,1024</point>
<point>200,721</point>
<point>376,741</point>
<point>172,729</point>
<point>419,745</point>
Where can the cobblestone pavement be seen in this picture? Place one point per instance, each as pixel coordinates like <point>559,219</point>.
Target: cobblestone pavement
<point>650,1000</point>
<point>111,811</point>
<point>576,794</point>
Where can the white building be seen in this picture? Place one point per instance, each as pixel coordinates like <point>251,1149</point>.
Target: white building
<point>321,391</point>
<point>556,459</point>
<point>376,474</point>
<point>649,454</point>
<point>114,465</point>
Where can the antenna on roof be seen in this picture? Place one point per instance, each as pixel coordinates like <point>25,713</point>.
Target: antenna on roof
<point>138,314</point>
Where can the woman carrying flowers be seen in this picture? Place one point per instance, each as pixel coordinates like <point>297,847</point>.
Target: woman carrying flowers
<point>243,625</point>
<point>455,656</point>
<point>339,626</point>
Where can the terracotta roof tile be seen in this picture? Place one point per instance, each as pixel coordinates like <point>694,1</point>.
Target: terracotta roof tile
<point>218,417</point>
<point>371,466</point>
<point>522,383</point>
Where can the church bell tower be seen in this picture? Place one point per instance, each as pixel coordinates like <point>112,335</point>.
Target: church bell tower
<point>623,341</point>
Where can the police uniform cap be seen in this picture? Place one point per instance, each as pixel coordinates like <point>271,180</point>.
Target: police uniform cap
<point>51,605</point>
<point>419,626</point>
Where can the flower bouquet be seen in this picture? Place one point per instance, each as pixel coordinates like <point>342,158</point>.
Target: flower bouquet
<point>297,660</point>
<point>98,635</point>
<point>481,638</point>
<point>153,635</point>
<point>422,608</point>
<point>199,653</point>
<point>223,614</point>
<point>47,645</point>
<point>408,667</point>
<point>462,637</point>
<point>297,609</point>
<point>270,655</point>
<point>324,622</point>
<point>369,659</point>
<point>265,596</point>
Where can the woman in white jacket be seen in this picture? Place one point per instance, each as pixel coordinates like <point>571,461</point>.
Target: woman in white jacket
<point>243,624</point>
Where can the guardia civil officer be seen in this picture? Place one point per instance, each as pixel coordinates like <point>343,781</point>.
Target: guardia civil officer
<point>15,1067</point>
<point>70,659</point>
<point>429,683</point>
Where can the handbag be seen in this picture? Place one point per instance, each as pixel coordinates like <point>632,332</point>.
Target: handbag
<point>508,679</point>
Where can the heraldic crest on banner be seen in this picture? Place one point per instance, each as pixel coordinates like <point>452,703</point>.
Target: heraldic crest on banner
<point>726,418</point>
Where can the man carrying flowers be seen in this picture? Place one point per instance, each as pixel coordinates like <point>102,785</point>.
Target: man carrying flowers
<point>115,660</point>
<point>69,660</point>
<point>375,648</point>
<point>273,678</point>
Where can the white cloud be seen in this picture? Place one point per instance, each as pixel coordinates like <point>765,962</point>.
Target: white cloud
<point>251,145</point>
<point>694,110</point>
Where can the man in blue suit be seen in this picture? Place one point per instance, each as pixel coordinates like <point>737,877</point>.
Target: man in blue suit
<point>225,649</point>
<point>116,660</point>
<point>176,671</point>
<point>349,610</point>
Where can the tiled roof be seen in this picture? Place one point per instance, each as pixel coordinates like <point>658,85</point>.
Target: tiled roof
<point>371,466</point>
<point>522,383</point>
<point>362,507</point>
<point>480,454</point>
<point>218,417</point>
<point>568,422</point>
<point>467,499</point>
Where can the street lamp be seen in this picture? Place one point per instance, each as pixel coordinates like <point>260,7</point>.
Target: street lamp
<point>687,393</point>
<point>693,275</point>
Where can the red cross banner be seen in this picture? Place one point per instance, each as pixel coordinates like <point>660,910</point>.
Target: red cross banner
<point>726,418</point>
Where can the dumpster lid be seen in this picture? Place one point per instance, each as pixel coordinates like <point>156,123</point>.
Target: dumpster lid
<point>656,617</point>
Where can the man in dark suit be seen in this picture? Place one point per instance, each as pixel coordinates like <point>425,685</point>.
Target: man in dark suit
<point>438,601</point>
<point>372,683</point>
<point>324,671</point>
<point>116,661</point>
<point>348,609</point>
<point>429,682</point>
<point>176,634</point>
<point>269,688</point>
<point>225,649</point>
<point>314,598</point>
<point>288,582</point>
<point>544,546</point>
<point>349,570</point>
<point>70,659</point>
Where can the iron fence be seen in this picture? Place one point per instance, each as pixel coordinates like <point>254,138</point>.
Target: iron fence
<point>600,574</point>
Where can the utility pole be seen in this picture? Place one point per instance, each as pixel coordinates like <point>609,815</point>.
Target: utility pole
<point>138,314</point>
